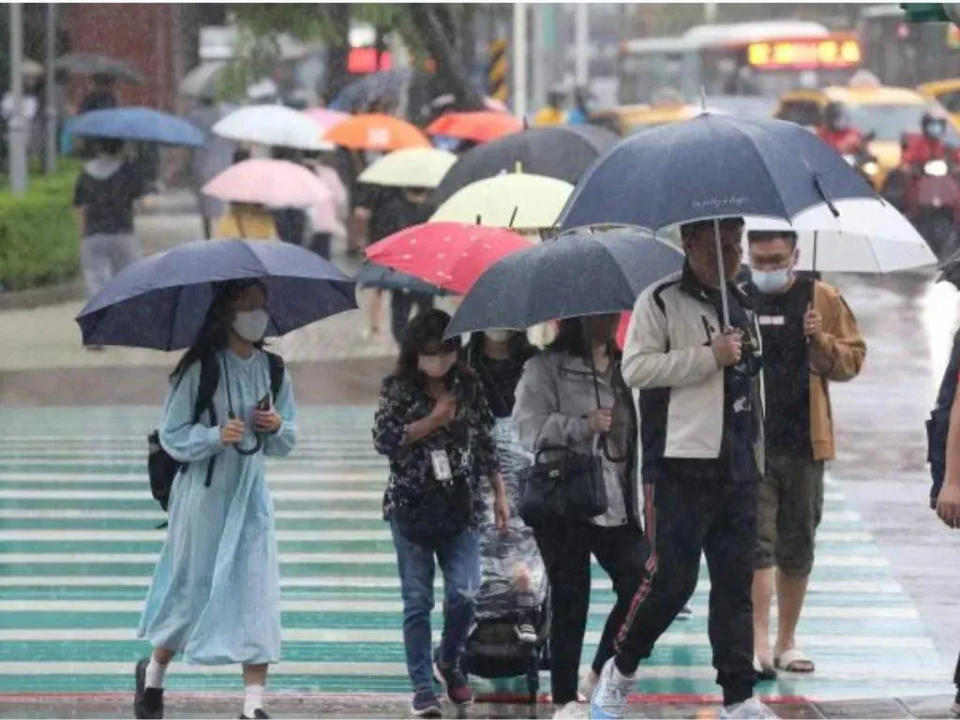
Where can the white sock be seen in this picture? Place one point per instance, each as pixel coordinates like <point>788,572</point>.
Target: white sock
<point>620,678</point>
<point>253,700</point>
<point>154,674</point>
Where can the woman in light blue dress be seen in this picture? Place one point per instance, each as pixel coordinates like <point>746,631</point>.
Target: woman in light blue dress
<point>215,596</point>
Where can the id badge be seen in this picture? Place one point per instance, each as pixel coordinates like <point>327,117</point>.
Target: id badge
<point>441,465</point>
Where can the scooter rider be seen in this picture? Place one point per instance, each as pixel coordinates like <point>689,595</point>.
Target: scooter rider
<point>838,132</point>
<point>919,149</point>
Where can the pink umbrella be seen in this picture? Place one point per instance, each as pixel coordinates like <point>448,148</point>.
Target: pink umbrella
<point>273,183</point>
<point>325,118</point>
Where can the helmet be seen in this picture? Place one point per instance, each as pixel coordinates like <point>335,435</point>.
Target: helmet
<point>836,117</point>
<point>934,123</point>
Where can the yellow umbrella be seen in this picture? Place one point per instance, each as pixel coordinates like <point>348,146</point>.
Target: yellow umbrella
<point>413,167</point>
<point>514,200</point>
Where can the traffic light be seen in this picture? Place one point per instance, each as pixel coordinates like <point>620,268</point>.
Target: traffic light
<point>932,12</point>
<point>497,71</point>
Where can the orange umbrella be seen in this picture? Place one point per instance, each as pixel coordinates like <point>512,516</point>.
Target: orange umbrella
<point>376,132</point>
<point>476,126</point>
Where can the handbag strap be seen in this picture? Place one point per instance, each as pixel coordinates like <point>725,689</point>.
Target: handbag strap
<point>602,439</point>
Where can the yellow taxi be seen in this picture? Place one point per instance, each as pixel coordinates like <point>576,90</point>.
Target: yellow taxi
<point>947,93</point>
<point>886,112</point>
<point>627,119</point>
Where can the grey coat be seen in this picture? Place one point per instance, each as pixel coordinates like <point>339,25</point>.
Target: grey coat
<point>554,398</point>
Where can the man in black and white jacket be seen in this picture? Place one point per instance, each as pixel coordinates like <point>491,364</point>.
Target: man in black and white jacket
<point>702,438</point>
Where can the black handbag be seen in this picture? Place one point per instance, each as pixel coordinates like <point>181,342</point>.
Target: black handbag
<point>569,487</point>
<point>440,513</point>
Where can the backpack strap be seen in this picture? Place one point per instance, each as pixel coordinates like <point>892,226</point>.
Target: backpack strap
<point>209,380</point>
<point>277,370</point>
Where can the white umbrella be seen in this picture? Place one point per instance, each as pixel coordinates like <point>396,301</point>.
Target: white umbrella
<point>867,236</point>
<point>274,125</point>
<point>411,167</point>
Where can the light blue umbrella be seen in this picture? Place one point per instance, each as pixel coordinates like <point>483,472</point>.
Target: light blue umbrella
<point>139,124</point>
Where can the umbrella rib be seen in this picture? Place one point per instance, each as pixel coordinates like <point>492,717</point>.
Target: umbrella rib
<point>766,169</point>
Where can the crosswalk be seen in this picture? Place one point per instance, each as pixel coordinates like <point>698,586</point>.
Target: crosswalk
<point>78,543</point>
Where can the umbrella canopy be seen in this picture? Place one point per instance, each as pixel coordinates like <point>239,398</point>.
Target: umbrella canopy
<point>140,124</point>
<point>372,275</point>
<point>161,302</point>
<point>31,68</point>
<point>562,151</point>
<point>479,127</point>
<point>93,64</point>
<point>325,118</point>
<point>712,166</point>
<point>201,82</point>
<point>274,125</point>
<point>376,132</point>
<point>382,88</point>
<point>274,183</point>
<point>413,167</point>
<point>868,236</point>
<point>515,200</point>
<point>449,255</point>
<point>580,273</point>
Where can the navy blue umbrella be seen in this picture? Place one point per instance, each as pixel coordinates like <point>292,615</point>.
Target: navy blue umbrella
<point>575,274</point>
<point>140,124</point>
<point>162,301</point>
<point>372,275</point>
<point>709,167</point>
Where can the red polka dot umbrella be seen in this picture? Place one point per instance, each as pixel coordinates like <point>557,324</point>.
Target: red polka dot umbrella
<point>450,255</point>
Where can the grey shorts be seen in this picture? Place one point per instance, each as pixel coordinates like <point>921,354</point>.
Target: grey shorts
<point>103,256</point>
<point>790,507</point>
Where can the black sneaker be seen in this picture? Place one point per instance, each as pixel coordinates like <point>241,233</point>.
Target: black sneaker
<point>425,704</point>
<point>258,714</point>
<point>147,702</point>
<point>955,710</point>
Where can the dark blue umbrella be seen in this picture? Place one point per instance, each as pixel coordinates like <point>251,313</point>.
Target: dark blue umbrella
<point>381,87</point>
<point>378,276</point>
<point>575,274</point>
<point>710,167</point>
<point>140,124</point>
<point>162,301</point>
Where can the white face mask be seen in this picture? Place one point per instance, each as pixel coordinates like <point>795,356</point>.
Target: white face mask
<point>251,325</point>
<point>770,282</point>
<point>436,366</point>
<point>498,336</point>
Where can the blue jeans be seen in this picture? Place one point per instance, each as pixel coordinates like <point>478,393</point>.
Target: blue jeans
<point>460,563</point>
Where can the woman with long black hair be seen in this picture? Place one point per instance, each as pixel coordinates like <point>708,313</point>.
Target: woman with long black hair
<point>215,595</point>
<point>573,396</point>
<point>435,426</point>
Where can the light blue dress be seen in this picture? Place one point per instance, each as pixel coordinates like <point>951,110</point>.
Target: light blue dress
<point>215,595</point>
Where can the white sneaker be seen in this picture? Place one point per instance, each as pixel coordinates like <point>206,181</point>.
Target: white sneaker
<point>571,711</point>
<point>609,699</point>
<point>751,709</point>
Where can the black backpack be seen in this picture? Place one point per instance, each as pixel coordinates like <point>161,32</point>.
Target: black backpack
<point>162,468</point>
<point>939,422</point>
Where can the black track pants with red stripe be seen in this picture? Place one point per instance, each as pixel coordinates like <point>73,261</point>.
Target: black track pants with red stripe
<point>688,513</point>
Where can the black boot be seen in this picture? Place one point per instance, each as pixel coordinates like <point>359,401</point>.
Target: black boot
<point>147,702</point>
<point>258,714</point>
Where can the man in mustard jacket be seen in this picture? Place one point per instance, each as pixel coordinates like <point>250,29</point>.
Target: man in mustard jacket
<point>810,338</point>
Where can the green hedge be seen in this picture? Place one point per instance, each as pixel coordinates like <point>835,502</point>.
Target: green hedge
<point>39,235</point>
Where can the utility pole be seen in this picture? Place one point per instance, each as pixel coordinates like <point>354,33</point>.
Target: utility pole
<point>519,59</point>
<point>582,34</point>
<point>17,138</point>
<point>538,58</point>
<point>50,113</point>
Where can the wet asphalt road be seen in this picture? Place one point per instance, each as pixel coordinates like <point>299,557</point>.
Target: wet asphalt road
<point>908,322</point>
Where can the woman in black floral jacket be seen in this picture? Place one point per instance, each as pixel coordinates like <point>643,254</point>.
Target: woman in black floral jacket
<point>434,424</point>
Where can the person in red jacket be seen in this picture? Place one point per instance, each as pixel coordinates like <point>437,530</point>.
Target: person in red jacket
<point>838,132</point>
<point>919,149</point>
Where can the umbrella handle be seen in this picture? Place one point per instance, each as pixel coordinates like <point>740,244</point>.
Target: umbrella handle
<point>725,301</point>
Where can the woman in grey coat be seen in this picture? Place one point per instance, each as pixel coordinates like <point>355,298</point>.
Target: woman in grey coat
<point>556,405</point>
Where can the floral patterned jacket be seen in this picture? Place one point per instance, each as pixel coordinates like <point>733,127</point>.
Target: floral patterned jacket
<point>468,440</point>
